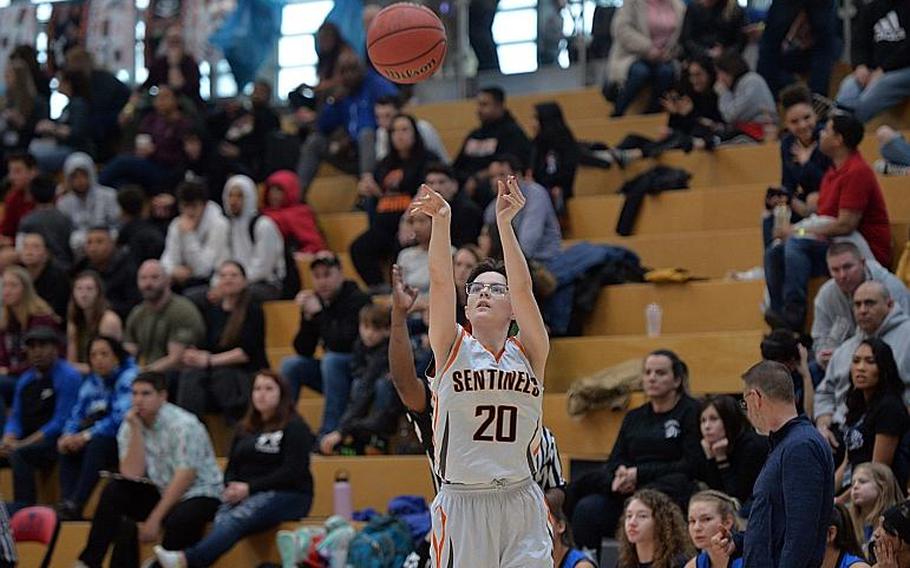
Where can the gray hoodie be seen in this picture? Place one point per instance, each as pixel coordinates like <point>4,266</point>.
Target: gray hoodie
<point>98,206</point>
<point>833,321</point>
<point>831,394</point>
<point>262,259</point>
<point>201,250</point>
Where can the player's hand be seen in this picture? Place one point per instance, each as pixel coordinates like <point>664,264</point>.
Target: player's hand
<point>403,296</point>
<point>430,203</point>
<point>509,200</point>
<point>722,542</point>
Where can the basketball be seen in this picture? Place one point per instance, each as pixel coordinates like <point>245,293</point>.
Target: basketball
<point>406,42</point>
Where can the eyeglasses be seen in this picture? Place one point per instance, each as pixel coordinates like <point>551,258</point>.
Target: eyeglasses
<point>495,289</point>
<point>742,403</point>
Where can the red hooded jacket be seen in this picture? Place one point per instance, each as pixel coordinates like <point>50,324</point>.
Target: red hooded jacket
<point>295,220</point>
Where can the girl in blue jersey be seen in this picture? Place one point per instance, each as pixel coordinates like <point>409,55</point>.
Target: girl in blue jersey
<point>842,550</point>
<point>709,511</point>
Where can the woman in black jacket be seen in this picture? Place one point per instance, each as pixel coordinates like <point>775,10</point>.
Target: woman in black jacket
<point>554,154</point>
<point>267,480</point>
<point>221,370</point>
<point>396,180</point>
<point>712,27</point>
<point>733,453</point>
<point>656,448</point>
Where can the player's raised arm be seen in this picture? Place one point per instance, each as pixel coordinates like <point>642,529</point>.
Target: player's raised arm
<point>533,332</point>
<point>442,277</point>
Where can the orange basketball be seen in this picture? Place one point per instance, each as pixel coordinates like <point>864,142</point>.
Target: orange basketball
<point>406,42</point>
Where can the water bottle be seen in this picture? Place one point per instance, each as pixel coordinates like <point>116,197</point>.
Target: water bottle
<point>341,495</point>
<point>653,317</point>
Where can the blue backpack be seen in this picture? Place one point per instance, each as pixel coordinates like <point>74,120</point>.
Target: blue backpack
<point>384,543</point>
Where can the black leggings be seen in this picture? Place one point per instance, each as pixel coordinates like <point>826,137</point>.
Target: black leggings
<point>124,503</point>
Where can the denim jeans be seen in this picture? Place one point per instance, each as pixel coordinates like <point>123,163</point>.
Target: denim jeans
<point>79,472</point>
<point>897,151</point>
<point>126,169</point>
<point>890,90</point>
<point>660,75</point>
<point>788,268</point>
<point>330,375</point>
<point>257,512</point>
<point>24,462</point>
<point>316,148</point>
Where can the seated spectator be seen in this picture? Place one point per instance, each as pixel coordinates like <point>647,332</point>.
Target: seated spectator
<point>842,549</point>
<point>17,203</point>
<point>171,483</point>
<point>498,133</point>
<point>24,107</point>
<point>140,237</point>
<point>654,532</point>
<point>329,47</point>
<point>892,537</point>
<point>712,27</point>
<point>565,555</point>
<point>295,220</point>
<point>386,109</point>
<point>267,480</point>
<point>399,176</point>
<point>174,69</point>
<point>876,317</point>
<point>734,454</point>
<point>464,261</point>
<point>348,120</point>
<point>711,512</point>
<point>240,132</point>
<point>48,221</point>
<point>744,100</point>
<point>832,320</point>
<point>647,453</point>
<point>873,490</point>
<point>44,399</point>
<point>158,158</point>
<point>116,267</point>
<point>876,419</point>
<point>197,240</point>
<point>803,164</point>
<point>88,316</point>
<point>414,261</point>
<point>329,318</point>
<point>88,444</point>
<point>109,96</point>
<point>645,45</point>
<point>219,371</point>
<point>852,198</point>
<point>554,154</point>
<point>71,132</point>
<point>694,117</point>
<point>254,240</point>
<point>160,329</point>
<point>881,66</point>
<point>373,409</point>
<point>783,346</point>
<point>86,203</point>
<point>799,39</point>
<point>23,310</point>
<point>50,279</point>
<point>467,216</point>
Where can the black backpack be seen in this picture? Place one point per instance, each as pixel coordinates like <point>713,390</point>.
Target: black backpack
<point>291,283</point>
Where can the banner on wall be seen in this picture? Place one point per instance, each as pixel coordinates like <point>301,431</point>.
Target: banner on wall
<point>18,25</point>
<point>111,35</point>
<point>248,37</point>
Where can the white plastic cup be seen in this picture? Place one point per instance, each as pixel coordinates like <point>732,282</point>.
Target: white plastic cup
<point>653,319</point>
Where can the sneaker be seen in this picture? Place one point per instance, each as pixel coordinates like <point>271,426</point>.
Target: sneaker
<point>169,558</point>
<point>68,511</point>
<point>890,168</point>
<point>287,548</point>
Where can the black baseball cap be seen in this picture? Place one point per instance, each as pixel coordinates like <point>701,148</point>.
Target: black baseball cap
<point>41,334</point>
<point>325,258</point>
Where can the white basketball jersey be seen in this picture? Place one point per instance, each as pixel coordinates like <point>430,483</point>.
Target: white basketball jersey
<point>486,413</point>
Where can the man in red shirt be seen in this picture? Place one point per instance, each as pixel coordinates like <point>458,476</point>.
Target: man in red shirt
<point>850,195</point>
<point>17,203</point>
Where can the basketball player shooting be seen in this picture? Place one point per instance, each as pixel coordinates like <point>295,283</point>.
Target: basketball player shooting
<point>487,401</point>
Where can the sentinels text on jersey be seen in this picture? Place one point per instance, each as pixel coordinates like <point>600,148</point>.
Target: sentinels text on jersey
<point>487,414</point>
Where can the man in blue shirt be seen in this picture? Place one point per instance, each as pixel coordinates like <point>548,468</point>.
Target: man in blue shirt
<point>794,493</point>
<point>44,399</point>
<point>348,110</point>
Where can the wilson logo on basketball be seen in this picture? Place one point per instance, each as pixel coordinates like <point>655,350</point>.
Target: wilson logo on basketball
<point>426,68</point>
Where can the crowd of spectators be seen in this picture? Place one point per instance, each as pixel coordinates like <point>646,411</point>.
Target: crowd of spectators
<point>142,231</point>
